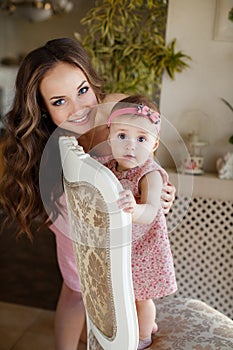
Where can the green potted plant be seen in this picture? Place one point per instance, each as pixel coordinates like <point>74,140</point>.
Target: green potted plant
<point>125,39</point>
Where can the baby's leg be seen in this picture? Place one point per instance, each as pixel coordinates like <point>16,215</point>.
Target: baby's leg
<point>146,321</point>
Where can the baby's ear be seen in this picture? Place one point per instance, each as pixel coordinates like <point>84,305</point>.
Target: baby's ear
<point>156,145</point>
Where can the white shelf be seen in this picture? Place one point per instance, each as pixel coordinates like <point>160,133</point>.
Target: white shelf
<point>205,185</point>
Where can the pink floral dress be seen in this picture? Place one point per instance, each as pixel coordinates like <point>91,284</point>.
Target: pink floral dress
<point>152,262</point>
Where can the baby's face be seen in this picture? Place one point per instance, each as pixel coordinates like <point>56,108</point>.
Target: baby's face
<point>132,139</point>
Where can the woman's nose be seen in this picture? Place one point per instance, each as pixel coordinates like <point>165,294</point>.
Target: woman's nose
<point>76,108</point>
<point>72,108</point>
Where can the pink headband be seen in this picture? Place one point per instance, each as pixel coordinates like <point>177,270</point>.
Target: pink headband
<point>141,110</point>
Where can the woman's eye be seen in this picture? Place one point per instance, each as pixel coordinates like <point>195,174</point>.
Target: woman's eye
<point>141,139</point>
<point>83,90</point>
<point>59,102</point>
<point>121,136</point>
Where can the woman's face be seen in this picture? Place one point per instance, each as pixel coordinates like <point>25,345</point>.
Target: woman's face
<point>69,98</point>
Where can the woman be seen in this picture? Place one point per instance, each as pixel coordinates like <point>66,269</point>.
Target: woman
<point>56,85</point>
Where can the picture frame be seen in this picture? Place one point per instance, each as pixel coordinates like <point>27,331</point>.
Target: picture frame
<point>223,27</point>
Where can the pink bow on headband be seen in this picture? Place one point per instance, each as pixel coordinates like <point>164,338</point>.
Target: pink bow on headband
<point>140,110</point>
<point>150,113</point>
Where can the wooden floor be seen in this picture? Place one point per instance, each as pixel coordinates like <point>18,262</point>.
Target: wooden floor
<point>29,272</point>
<point>30,286</point>
<point>26,328</point>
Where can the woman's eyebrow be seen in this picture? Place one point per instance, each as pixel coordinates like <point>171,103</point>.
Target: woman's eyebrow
<point>78,87</point>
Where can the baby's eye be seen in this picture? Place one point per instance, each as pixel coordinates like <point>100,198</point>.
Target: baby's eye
<point>121,136</point>
<point>59,102</point>
<point>141,139</point>
<point>83,90</point>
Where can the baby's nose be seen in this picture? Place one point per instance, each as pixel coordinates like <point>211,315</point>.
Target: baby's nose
<point>131,144</point>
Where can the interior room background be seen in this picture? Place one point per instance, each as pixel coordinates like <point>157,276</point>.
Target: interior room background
<point>192,102</point>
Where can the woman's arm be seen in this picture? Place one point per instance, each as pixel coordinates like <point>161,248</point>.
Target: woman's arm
<point>150,188</point>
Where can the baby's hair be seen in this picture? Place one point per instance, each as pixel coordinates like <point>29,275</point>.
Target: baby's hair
<point>137,105</point>
<point>134,101</point>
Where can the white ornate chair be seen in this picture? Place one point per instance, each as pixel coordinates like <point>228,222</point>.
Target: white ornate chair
<point>101,235</point>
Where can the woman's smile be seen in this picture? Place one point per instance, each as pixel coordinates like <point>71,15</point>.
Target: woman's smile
<point>80,119</point>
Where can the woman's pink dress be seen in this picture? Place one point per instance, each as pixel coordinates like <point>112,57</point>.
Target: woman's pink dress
<point>65,251</point>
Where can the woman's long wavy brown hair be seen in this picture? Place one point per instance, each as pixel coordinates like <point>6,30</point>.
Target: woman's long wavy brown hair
<point>27,132</point>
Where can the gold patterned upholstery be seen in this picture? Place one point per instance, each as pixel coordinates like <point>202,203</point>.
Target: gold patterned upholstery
<point>101,235</point>
<point>190,324</point>
<point>90,223</point>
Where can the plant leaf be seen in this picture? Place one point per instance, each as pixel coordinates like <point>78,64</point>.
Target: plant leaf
<point>125,39</point>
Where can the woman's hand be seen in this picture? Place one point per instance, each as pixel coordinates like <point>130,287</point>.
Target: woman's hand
<point>168,197</point>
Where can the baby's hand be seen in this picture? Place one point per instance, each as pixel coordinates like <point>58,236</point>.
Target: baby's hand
<point>126,201</point>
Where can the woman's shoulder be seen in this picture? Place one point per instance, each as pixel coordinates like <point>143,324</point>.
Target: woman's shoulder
<point>106,106</point>
<point>114,97</point>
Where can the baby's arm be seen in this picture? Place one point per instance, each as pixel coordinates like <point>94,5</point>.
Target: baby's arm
<point>150,188</point>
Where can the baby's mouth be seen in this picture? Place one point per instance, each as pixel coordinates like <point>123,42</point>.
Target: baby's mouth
<point>129,156</point>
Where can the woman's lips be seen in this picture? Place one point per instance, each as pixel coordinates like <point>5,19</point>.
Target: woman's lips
<point>80,120</point>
